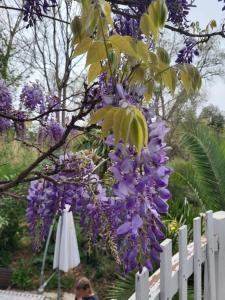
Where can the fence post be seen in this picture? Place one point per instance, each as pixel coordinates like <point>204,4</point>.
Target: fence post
<point>197,259</point>
<point>219,230</point>
<point>183,279</point>
<point>210,234</point>
<point>142,285</point>
<point>165,270</point>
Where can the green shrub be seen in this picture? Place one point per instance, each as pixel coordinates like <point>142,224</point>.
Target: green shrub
<point>11,214</point>
<point>22,276</point>
<point>67,282</point>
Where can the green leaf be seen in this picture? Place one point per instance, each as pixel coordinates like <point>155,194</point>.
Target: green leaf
<point>106,8</point>
<point>142,51</point>
<point>136,135</point>
<point>117,121</point>
<point>76,27</point>
<point>169,79</point>
<point>96,53</point>
<point>149,87</point>
<point>157,13</point>
<point>163,56</point>
<point>190,77</point>
<point>90,21</point>
<point>114,59</point>
<point>138,75</point>
<point>142,122</point>
<point>163,12</point>
<point>82,47</point>
<point>99,115</point>
<point>145,24</point>
<point>108,123</point>
<point>126,124</point>
<point>94,71</point>
<point>123,43</point>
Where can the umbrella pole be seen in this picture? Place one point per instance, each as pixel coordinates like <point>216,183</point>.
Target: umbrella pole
<point>45,256</point>
<point>59,292</point>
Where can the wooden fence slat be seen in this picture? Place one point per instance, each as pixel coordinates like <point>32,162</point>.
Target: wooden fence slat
<point>219,230</point>
<point>142,285</point>
<point>183,263</point>
<point>197,259</point>
<point>211,255</point>
<point>165,269</point>
<point>206,281</point>
<point>172,277</point>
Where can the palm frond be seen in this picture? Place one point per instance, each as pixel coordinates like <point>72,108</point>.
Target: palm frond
<point>184,183</point>
<point>122,288</point>
<point>207,154</point>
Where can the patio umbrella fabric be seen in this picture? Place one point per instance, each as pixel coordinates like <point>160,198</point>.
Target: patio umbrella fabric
<point>66,255</point>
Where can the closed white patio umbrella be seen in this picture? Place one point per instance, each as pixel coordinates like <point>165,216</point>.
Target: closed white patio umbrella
<point>66,255</point>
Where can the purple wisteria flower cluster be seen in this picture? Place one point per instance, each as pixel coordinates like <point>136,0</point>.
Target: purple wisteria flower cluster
<point>33,9</point>
<point>178,10</point>
<point>141,196</point>
<point>46,199</point>
<point>126,24</point>
<point>5,106</point>
<point>32,99</point>
<point>52,132</point>
<point>126,217</point>
<point>32,96</point>
<point>188,52</point>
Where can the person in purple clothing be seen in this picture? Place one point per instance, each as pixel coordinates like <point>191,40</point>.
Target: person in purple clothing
<point>84,290</point>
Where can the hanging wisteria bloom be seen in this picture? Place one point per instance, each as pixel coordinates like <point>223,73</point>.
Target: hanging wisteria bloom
<point>32,97</point>
<point>52,132</point>
<point>46,199</point>
<point>34,9</point>
<point>5,124</point>
<point>141,195</point>
<point>5,106</point>
<point>126,24</point>
<point>128,217</point>
<point>188,52</point>
<point>5,97</point>
<point>178,10</point>
<point>53,102</point>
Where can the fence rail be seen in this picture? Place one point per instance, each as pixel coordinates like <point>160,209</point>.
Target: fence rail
<point>204,258</point>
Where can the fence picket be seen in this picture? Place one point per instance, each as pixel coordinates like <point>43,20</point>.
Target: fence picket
<point>142,285</point>
<point>172,277</point>
<point>183,263</point>
<point>197,259</point>
<point>219,225</point>
<point>206,281</point>
<point>210,255</point>
<point>165,269</point>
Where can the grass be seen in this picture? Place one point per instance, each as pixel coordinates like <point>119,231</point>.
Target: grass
<point>14,158</point>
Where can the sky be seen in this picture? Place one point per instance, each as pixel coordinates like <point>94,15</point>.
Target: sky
<point>205,11</point>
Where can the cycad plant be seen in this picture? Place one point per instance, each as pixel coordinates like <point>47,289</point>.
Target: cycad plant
<point>203,172</point>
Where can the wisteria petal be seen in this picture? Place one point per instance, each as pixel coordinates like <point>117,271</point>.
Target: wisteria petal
<point>124,228</point>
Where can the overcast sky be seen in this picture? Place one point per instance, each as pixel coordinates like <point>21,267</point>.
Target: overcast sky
<point>207,10</point>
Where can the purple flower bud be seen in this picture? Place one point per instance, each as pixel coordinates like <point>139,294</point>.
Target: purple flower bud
<point>124,228</point>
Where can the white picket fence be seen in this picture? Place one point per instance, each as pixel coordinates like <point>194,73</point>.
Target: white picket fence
<point>204,257</point>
